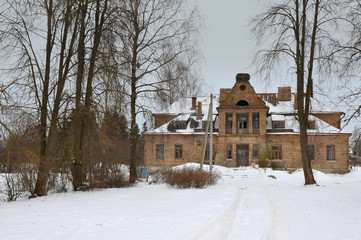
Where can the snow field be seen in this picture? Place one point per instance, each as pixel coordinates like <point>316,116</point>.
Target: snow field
<point>245,204</point>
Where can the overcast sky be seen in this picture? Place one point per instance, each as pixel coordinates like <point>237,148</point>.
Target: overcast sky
<point>229,46</point>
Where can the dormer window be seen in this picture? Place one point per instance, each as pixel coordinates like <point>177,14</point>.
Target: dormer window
<point>278,124</point>
<point>311,125</point>
<point>180,125</point>
<point>278,121</point>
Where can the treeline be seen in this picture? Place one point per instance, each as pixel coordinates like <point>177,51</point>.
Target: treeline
<point>76,74</point>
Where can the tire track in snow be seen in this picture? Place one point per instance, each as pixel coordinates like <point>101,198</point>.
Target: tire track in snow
<point>276,226</point>
<point>218,227</point>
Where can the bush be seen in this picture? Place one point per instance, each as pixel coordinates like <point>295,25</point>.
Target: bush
<point>189,177</point>
<point>264,159</point>
<point>108,176</point>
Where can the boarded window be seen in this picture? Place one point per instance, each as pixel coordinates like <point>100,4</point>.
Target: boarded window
<point>178,152</point>
<point>330,152</point>
<point>160,152</point>
<point>276,152</point>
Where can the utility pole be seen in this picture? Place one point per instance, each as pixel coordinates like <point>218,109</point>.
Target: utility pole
<point>210,112</point>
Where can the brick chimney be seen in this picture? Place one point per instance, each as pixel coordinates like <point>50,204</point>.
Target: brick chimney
<point>242,77</point>
<point>284,94</point>
<point>194,103</point>
<point>199,111</point>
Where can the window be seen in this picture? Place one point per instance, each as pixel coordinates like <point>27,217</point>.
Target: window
<point>278,124</point>
<point>180,125</point>
<point>178,152</point>
<point>229,151</point>
<point>255,120</point>
<point>160,152</point>
<point>330,152</point>
<point>229,120</point>
<point>204,124</point>
<point>311,125</point>
<point>255,151</point>
<point>208,152</point>
<point>276,152</point>
<point>242,122</point>
<point>311,152</point>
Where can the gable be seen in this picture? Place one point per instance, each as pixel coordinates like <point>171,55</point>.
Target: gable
<point>242,93</point>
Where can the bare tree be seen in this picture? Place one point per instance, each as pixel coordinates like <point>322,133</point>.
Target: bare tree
<point>300,30</point>
<point>350,55</point>
<point>148,29</point>
<point>180,78</point>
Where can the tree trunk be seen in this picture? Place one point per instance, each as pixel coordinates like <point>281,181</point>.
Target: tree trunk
<point>43,171</point>
<point>79,109</point>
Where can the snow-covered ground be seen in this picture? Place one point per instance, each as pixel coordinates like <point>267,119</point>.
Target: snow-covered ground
<point>246,203</point>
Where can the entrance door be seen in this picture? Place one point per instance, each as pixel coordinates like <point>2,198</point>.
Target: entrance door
<point>242,155</point>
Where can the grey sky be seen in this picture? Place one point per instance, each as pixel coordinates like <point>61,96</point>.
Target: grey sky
<point>228,47</point>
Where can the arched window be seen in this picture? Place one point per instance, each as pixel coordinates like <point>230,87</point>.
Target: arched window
<point>242,103</point>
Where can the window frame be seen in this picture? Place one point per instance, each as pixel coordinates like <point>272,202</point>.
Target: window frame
<point>242,124</point>
<point>178,152</point>
<point>255,120</point>
<point>276,152</point>
<point>278,124</point>
<point>229,151</point>
<point>229,123</point>
<point>159,148</point>
<point>253,151</point>
<point>330,153</point>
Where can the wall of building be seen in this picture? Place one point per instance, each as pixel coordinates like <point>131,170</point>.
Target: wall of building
<point>291,151</point>
<point>192,148</point>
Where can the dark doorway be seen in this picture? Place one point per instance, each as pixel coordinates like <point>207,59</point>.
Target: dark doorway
<point>242,103</point>
<point>242,155</point>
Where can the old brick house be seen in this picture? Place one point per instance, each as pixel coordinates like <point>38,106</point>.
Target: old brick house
<point>247,126</point>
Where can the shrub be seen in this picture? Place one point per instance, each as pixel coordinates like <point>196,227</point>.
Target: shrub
<point>108,176</point>
<point>189,177</point>
<point>264,159</point>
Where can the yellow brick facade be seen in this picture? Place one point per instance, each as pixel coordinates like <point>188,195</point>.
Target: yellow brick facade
<point>243,135</point>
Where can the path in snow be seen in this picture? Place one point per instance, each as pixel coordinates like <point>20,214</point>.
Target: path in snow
<point>251,213</point>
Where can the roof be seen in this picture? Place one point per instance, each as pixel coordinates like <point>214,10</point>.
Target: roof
<point>282,111</point>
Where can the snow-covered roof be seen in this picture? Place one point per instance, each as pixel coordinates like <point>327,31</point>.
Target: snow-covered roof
<point>287,107</point>
<point>291,123</point>
<point>282,111</point>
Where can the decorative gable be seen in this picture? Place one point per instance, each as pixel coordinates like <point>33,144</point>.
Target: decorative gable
<point>242,93</point>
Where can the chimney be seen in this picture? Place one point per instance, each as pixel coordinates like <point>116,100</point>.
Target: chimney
<point>199,111</point>
<point>194,103</point>
<point>284,94</point>
<point>242,77</point>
